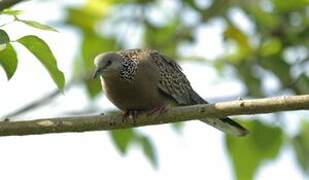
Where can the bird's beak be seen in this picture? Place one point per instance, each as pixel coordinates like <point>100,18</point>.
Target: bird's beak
<point>96,73</point>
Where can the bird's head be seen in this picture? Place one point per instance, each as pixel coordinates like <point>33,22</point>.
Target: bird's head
<point>107,64</point>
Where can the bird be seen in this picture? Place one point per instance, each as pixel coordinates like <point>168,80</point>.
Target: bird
<point>139,80</point>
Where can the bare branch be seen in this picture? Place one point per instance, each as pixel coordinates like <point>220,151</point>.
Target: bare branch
<point>38,102</point>
<point>185,113</point>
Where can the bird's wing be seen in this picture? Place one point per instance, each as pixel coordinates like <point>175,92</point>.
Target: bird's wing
<point>173,81</point>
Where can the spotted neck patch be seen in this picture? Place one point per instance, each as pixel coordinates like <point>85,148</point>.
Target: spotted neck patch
<point>129,68</point>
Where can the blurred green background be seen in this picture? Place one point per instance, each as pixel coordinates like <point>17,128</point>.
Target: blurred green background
<point>262,40</point>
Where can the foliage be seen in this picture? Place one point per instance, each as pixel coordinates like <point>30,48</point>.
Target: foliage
<point>276,43</point>
<point>301,145</point>
<point>41,50</point>
<point>38,47</point>
<point>124,138</point>
<point>248,153</point>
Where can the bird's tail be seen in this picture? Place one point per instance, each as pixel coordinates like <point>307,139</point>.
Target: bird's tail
<point>225,124</point>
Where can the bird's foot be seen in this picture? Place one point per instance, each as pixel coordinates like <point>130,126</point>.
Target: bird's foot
<point>157,111</point>
<point>130,115</point>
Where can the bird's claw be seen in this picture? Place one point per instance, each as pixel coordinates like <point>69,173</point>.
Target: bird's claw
<point>130,115</point>
<point>157,111</point>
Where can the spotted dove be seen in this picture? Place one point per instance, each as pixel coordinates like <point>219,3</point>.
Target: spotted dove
<point>144,79</point>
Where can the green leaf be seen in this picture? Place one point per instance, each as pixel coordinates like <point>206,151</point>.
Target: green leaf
<point>8,60</point>
<point>125,137</point>
<point>164,38</point>
<point>82,18</point>
<point>243,46</point>
<point>215,9</point>
<point>43,53</point>
<point>4,37</point>
<point>219,64</point>
<point>248,153</point>
<point>264,19</point>
<point>302,84</point>
<point>148,150</point>
<point>289,5</point>
<point>270,47</point>
<point>93,87</point>
<point>279,68</point>
<point>245,70</point>
<point>38,25</point>
<point>301,147</point>
<point>232,32</point>
<point>94,44</point>
<point>11,12</point>
<point>122,139</point>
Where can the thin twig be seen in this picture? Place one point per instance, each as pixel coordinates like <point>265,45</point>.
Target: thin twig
<point>37,102</point>
<point>5,24</point>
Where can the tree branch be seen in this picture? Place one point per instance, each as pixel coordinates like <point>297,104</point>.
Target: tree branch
<point>4,4</point>
<point>185,113</point>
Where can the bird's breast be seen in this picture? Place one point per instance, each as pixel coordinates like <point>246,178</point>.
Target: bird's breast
<point>133,95</point>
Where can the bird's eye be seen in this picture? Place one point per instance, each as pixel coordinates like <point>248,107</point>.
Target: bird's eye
<point>109,62</point>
